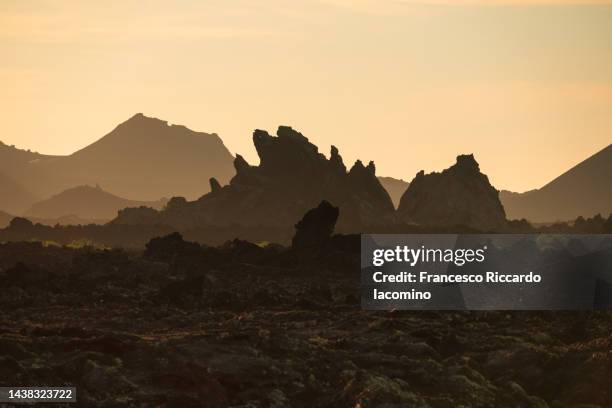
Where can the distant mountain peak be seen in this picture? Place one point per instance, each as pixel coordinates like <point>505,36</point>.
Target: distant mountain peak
<point>395,188</point>
<point>85,188</point>
<point>140,119</point>
<point>141,158</point>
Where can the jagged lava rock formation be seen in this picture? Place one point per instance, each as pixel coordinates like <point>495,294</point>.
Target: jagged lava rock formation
<point>292,177</point>
<point>459,195</point>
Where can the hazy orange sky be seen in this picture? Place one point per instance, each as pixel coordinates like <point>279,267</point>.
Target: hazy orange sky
<point>526,85</point>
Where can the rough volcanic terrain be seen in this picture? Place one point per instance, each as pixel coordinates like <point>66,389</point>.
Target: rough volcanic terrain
<point>240,325</point>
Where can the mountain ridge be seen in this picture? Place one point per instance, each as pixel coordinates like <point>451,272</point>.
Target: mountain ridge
<point>142,158</point>
<point>583,190</point>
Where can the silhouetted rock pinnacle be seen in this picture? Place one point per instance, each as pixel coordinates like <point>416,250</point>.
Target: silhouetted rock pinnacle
<point>460,195</point>
<point>241,165</point>
<point>214,184</point>
<point>335,161</point>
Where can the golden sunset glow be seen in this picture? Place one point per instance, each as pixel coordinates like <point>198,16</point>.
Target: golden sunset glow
<point>525,85</point>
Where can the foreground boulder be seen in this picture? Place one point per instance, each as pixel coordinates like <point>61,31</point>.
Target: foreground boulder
<point>460,195</point>
<point>292,178</point>
<point>316,227</point>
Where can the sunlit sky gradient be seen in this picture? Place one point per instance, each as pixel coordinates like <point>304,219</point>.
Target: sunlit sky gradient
<point>526,85</point>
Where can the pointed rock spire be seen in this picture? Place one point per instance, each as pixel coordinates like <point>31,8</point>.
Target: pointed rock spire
<point>241,165</point>
<point>336,160</point>
<point>214,185</point>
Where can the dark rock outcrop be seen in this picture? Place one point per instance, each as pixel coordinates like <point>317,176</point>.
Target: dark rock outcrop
<point>460,195</point>
<point>168,247</point>
<point>316,227</point>
<point>292,178</point>
<point>20,224</point>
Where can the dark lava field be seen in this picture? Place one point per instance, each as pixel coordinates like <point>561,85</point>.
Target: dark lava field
<point>241,325</point>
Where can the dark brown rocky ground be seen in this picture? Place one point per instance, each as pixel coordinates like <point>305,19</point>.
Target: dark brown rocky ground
<point>242,326</point>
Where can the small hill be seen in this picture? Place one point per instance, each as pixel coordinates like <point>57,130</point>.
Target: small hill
<point>85,203</point>
<point>13,197</point>
<point>143,157</point>
<point>459,195</point>
<point>395,187</point>
<point>584,190</point>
